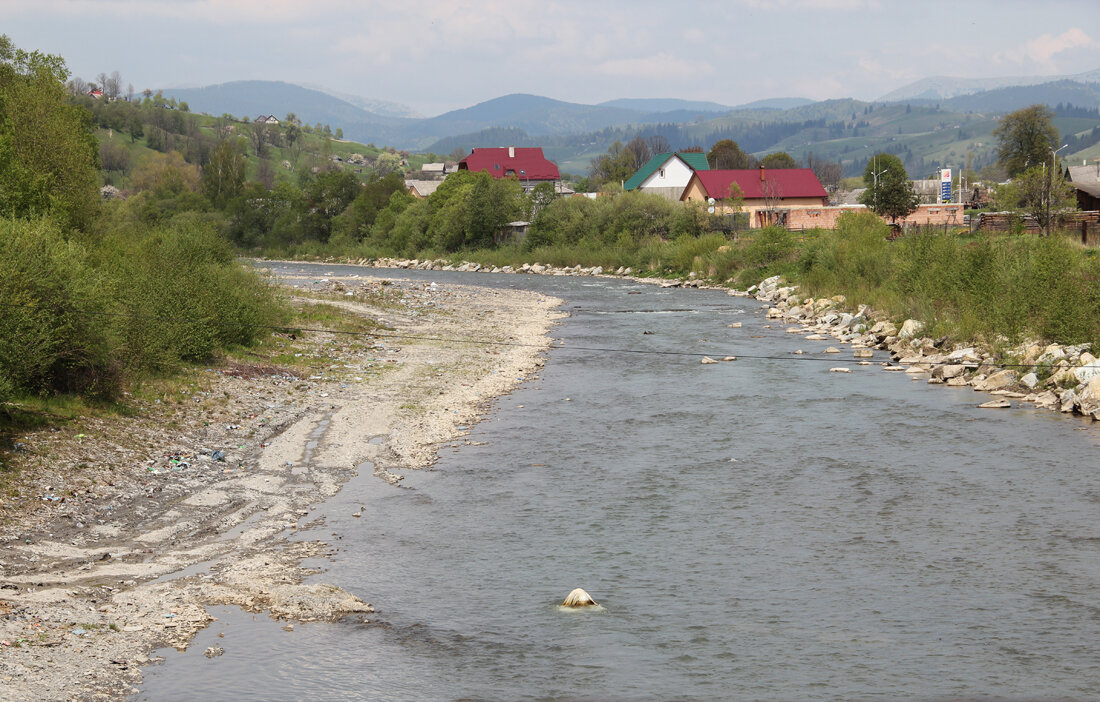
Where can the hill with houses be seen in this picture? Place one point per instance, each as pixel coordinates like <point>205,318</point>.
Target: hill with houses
<point>931,124</point>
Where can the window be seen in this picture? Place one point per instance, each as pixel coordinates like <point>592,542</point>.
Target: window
<point>661,173</point>
<point>496,166</point>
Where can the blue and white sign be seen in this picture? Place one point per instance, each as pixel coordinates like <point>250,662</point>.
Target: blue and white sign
<point>945,185</point>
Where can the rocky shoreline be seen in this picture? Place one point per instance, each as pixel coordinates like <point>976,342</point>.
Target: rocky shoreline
<point>1056,377</point>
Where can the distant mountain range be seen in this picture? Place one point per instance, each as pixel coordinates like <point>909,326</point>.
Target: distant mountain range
<point>943,87</point>
<point>937,121</point>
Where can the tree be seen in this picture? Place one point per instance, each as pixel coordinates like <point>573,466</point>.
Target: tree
<point>780,159</point>
<point>617,165</point>
<point>112,87</point>
<point>889,191</point>
<point>265,173</point>
<point>1038,193</point>
<point>293,137</point>
<point>1025,139</point>
<point>223,176</point>
<point>48,152</point>
<point>328,195</point>
<point>726,154</point>
<point>638,152</point>
<point>339,133</point>
<point>166,174</point>
<point>541,196</point>
<point>113,157</point>
<point>387,163</point>
<point>259,137</point>
<point>829,173</point>
<point>658,144</point>
<point>78,86</point>
<point>135,127</point>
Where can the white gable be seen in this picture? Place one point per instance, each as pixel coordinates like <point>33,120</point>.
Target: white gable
<point>673,173</point>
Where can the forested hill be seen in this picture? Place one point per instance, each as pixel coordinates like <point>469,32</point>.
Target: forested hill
<point>924,134</point>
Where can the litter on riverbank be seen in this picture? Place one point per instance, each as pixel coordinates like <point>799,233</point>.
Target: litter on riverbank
<point>117,535</point>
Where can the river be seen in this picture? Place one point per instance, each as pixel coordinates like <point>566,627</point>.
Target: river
<point>759,529</point>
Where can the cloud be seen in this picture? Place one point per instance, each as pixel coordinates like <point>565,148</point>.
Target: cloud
<point>825,5</point>
<point>200,11</point>
<point>660,66</point>
<point>1043,49</point>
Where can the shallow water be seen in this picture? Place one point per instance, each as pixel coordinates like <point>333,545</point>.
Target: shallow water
<point>761,529</point>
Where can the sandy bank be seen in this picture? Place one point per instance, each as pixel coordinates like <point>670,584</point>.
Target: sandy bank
<point>119,532</point>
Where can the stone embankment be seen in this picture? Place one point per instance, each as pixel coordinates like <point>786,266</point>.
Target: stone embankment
<point>1054,376</point>
<point>440,264</point>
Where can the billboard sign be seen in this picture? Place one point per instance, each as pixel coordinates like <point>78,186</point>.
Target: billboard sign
<point>945,185</point>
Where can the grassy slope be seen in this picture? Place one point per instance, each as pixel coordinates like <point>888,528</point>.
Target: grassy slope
<point>312,153</point>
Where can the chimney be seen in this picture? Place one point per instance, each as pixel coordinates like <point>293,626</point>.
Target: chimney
<point>511,152</point>
<point>761,173</point>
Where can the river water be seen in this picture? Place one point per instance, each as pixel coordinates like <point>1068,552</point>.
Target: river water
<point>761,529</point>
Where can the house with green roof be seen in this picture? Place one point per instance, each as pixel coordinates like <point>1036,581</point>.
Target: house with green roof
<point>667,174</point>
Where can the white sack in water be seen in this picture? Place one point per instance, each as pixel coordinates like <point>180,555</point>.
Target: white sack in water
<point>578,598</point>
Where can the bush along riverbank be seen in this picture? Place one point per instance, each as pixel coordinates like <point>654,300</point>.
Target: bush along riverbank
<point>1064,378</point>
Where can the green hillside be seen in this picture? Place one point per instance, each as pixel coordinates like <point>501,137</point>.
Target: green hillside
<point>132,134</point>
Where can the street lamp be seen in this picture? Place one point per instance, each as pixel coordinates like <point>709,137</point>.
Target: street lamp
<point>1050,183</point>
<point>874,177</point>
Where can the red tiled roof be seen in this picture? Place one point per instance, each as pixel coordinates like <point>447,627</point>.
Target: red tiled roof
<point>781,182</point>
<point>527,163</point>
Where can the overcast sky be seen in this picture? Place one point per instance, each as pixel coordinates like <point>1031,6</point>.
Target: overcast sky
<point>439,55</point>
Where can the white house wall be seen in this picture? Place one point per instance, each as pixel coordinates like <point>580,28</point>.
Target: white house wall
<point>674,173</point>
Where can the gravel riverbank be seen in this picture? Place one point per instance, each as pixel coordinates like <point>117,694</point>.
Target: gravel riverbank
<point>118,532</point>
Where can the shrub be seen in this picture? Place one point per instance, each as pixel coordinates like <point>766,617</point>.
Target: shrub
<point>181,295</point>
<point>50,337</point>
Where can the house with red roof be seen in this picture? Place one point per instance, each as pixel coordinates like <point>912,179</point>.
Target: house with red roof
<point>525,163</point>
<point>767,193</point>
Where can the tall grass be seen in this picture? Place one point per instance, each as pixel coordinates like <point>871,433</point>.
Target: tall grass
<point>971,287</point>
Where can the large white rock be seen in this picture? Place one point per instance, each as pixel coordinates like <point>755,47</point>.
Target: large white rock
<point>578,598</point>
<point>998,380</point>
<point>1067,400</point>
<point>1051,354</point>
<point>967,355</point>
<point>910,328</point>
<point>1088,399</point>
<point>1087,372</point>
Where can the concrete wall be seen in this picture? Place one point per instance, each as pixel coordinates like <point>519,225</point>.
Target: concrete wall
<point>825,217</point>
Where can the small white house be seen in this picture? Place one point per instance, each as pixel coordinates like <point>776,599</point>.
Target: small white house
<point>667,174</point>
